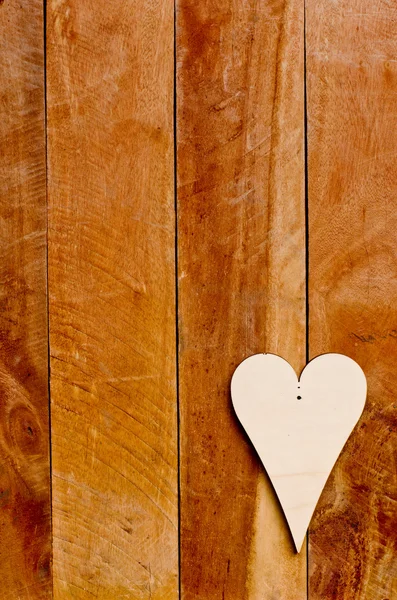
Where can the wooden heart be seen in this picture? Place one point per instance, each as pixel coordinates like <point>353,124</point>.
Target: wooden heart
<point>298,427</point>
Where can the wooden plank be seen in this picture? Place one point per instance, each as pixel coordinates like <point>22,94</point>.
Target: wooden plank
<point>25,520</point>
<point>352,77</point>
<point>112,299</point>
<point>241,265</point>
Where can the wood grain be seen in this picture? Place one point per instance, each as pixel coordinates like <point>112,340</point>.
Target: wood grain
<point>352,86</point>
<point>112,299</point>
<point>25,520</point>
<point>241,270</point>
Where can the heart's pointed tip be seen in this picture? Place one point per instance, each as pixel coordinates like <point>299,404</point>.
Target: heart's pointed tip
<point>298,546</point>
<point>298,538</point>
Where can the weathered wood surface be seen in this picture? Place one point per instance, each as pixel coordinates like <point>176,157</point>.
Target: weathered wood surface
<point>352,87</point>
<point>25,520</point>
<point>241,267</point>
<point>112,299</point>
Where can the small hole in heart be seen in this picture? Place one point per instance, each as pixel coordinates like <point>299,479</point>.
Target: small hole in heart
<point>299,397</point>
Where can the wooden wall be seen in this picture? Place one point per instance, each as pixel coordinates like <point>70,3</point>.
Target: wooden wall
<point>183,185</point>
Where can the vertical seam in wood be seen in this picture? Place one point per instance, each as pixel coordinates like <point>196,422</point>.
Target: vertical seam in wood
<point>47,284</point>
<point>177,304</point>
<point>306,171</point>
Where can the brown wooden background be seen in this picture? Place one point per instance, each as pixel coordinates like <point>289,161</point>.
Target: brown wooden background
<point>181,187</point>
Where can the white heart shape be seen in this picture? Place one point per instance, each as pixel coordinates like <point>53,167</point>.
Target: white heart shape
<point>298,440</point>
